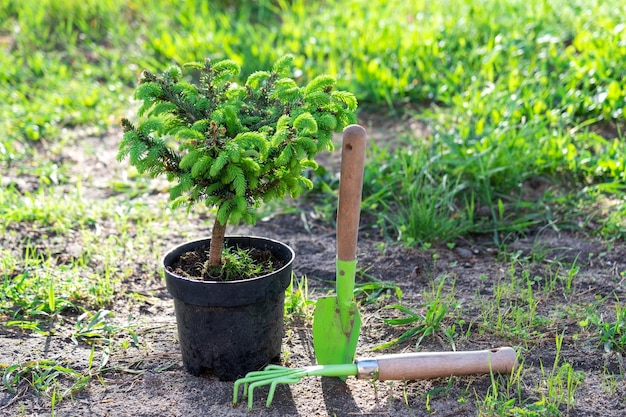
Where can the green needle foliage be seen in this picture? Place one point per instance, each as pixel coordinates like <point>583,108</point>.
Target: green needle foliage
<point>233,146</point>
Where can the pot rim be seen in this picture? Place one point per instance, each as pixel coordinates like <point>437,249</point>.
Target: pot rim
<point>191,242</point>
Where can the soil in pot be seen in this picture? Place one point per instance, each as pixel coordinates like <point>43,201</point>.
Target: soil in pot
<point>238,263</point>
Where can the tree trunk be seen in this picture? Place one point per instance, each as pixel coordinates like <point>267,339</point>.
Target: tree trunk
<point>217,244</point>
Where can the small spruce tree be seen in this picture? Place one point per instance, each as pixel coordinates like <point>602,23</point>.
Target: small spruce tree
<point>233,146</point>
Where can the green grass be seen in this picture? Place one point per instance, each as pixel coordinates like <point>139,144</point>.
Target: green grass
<point>514,94</point>
<point>554,393</point>
<point>508,99</point>
<point>58,270</point>
<point>611,334</point>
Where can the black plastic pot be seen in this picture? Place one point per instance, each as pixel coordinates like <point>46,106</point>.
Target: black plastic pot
<point>230,328</point>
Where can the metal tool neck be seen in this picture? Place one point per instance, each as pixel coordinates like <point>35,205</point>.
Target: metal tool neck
<point>367,368</point>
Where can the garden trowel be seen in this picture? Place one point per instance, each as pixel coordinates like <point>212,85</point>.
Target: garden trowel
<point>336,322</point>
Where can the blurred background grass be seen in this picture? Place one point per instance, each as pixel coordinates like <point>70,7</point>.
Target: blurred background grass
<point>523,100</point>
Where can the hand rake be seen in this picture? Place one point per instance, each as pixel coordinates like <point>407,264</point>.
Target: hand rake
<point>403,366</point>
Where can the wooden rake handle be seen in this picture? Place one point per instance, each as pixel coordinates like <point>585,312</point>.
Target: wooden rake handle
<point>424,365</point>
<point>350,191</point>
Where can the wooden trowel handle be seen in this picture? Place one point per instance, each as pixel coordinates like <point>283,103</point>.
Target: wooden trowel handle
<point>350,188</point>
<point>424,365</point>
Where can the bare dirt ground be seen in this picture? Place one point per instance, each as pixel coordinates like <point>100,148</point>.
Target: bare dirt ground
<point>151,381</point>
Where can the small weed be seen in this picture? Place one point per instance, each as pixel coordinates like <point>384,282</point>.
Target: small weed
<point>505,396</point>
<point>298,304</point>
<point>375,289</point>
<point>568,278</point>
<point>613,334</point>
<point>44,376</point>
<point>438,392</point>
<point>515,310</point>
<point>558,386</point>
<point>95,328</point>
<point>610,382</point>
<point>497,402</point>
<point>424,325</point>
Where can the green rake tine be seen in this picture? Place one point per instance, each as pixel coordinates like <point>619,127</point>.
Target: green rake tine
<point>272,383</point>
<point>273,375</point>
<point>269,373</point>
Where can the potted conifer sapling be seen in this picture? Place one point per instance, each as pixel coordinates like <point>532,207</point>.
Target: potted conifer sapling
<point>232,147</point>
